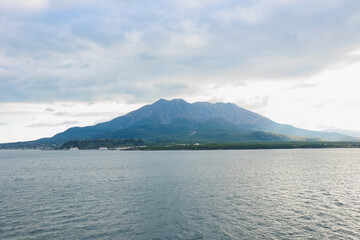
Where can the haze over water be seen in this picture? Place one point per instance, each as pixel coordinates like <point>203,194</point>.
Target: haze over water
<point>262,194</point>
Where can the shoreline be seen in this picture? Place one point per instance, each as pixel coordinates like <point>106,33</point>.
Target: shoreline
<point>215,146</point>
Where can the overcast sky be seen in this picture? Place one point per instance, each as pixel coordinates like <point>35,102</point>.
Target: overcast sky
<point>65,64</point>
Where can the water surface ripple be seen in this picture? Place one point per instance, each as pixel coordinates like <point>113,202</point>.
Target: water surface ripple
<point>261,194</point>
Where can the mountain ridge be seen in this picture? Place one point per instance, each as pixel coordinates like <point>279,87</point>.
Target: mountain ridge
<point>347,132</point>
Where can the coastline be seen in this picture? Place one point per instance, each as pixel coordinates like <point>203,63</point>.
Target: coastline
<point>211,146</point>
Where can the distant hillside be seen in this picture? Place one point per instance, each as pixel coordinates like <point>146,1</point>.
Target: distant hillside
<point>102,143</point>
<point>180,121</point>
<point>344,131</point>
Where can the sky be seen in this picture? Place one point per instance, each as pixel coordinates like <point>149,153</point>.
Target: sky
<point>76,63</point>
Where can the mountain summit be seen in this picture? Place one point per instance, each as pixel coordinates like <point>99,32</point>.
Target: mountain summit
<point>167,111</point>
<point>179,121</point>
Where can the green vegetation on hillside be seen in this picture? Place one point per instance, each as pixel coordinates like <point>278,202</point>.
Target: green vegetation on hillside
<point>103,144</point>
<point>254,145</point>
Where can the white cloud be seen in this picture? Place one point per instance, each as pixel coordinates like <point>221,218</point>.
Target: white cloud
<point>23,4</point>
<point>122,50</point>
<point>247,15</point>
<point>195,4</point>
<point>260,11</point>
<point>47,124</point>
<point>29,121</point>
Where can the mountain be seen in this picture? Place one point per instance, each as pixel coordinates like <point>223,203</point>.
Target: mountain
<point>180,121</point>
<point>178,118</point>
<point>347,132</point>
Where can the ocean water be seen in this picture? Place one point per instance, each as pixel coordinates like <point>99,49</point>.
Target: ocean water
<point>247,194</point>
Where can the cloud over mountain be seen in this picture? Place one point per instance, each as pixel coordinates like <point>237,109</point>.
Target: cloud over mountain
<point>90,50</point>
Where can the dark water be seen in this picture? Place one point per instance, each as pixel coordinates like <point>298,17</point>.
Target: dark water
<point>262,194</point>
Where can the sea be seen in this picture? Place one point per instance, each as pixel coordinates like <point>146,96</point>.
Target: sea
<point>214,194</point>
